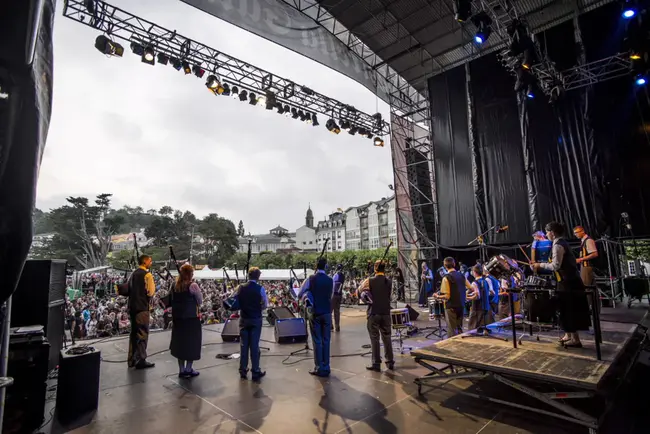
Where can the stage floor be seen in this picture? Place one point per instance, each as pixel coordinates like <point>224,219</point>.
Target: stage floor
<point>289,400</point>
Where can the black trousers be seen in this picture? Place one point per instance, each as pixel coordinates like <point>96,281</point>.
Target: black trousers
<point>379,325</point>
<point>336,310</point>
<point>138,338</point>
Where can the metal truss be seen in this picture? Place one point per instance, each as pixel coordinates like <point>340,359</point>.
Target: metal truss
<point>605,69</point>
<point>117,23</point>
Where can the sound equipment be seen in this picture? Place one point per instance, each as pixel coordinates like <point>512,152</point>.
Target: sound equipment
<point>413,314</point>
<point>290,330</point>
<point>419,177</point>
<point>275,313</point>
<point>230,332</point>
<point>40,299</point>
<point>78,388</point>
<point>635,287</point>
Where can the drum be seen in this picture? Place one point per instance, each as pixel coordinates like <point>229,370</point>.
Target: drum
<point>540,306</point>
<point>502,267</point>
<point>400,317</point>
<point>436,307</point>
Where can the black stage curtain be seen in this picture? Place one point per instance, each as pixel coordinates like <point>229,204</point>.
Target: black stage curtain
<point>455,188</point>
<point>502,192</point>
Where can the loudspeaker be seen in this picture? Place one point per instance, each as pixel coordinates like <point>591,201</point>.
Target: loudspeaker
<point>419,178</point>
<point>77,393</point>
<point>40,299</point>
<point>230,332</point>
<point>413,314</point>
<point>635,287</point>
<point>275,313</point>
<point>289,331</point>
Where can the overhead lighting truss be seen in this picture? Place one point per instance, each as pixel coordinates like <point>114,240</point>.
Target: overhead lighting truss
<point>117,23</point>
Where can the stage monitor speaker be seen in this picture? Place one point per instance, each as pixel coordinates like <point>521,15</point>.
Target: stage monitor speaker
<point>420,192</point>
<point>230,332</point>
<point>635,287</point>
<point>77,392</point>
<point>290,331</point>
<point>275,313</point>
<point>413,314</point>
<point>40,299</point>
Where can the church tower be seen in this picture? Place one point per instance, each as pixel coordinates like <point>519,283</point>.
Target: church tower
<point>309,218</point>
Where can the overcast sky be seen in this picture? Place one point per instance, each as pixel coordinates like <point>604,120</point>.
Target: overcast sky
<point>153,136</point>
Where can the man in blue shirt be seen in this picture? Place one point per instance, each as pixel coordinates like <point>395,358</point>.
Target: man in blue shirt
<point>320,286</point>
<point>252,301</point>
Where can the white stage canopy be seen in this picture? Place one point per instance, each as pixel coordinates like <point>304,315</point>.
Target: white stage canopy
<point>218,274</point>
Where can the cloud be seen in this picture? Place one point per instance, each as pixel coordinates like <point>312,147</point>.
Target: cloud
<point>153,136</point>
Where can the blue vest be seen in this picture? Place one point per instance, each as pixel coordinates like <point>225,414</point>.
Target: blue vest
<point>496,285</point>
<point>250,300</point>
<point>184,305</point>
<point>542,250</point>
<point>339,284</point>
<point>320,286</point>
<point>484,290</point>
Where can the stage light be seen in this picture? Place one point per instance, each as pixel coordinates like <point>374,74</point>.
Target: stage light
<point>314,120</point>
<point>108,47</point>
<point>628,13</point>
<point>345,125</point>
<point>149,56</point>
<point>186,68</point>
<point>307,119</point>
<point>332,127</point>
<point>212,82</point>
<point>261,101</point>
<point>368,134</point>
<point>235,91</point>
<point>252,98</point>
<point>226,89</point>
<point>163,59</point>
<point>463,10</point>
<point>280,109</point>
<point>530,92</point>
<point>482,22</point>
<point>640,80</point>
<point>294,113</point>
<point>287,110</point>
<point>635,55</point>
<point>176,64</point>
<point>353,131</point>
<point>302,115</point>
<point>198,71</point>
<point>243,95</point>
<point>137,49</point>
<point>379,142</point>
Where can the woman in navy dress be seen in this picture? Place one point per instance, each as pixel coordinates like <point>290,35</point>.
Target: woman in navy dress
<point>186,298</point>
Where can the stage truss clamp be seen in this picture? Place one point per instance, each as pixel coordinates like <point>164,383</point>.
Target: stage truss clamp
<point>117,23</point>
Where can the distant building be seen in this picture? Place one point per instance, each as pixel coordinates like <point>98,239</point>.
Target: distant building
<point>278,238</point>
<point>41,239</point>
<point>125,241</point>
<point>306,235</point>
<point>332,228</point>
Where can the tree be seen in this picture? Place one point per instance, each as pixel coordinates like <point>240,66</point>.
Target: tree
<point>240,229</point>
<point>220,238</point>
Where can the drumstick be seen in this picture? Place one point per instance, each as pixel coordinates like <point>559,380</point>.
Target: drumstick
<point>522,262</point>
<point>525,255</point>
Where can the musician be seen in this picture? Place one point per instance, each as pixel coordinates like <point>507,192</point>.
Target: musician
<point>185,343</point>
<point>452,292</point>
<point>495,288</point>
<point>426,285</point>
<point>504,298</point>
<point>572,301</point>
<point>252,301</point>
<point>378,289</point>
<point>320,287</point>
<point>540,251</point>
<point>588,252</point>
<point>337,295</point>
<point>399,277</point>
<point>480,313</point>
<point>141,289</point>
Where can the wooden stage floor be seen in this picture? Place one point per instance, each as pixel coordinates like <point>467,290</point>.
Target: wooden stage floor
<point>289,400</point>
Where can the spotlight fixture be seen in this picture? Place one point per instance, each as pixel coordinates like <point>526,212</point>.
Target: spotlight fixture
<point>137,49</point>
<point>302,115</point>
<point>226,89</point>
<point>463,10</point>
<point>186,68</point>
<point>149,55</point>
<point>252,98</point>
<point>332,127</point>
<point>352,131</point>
<point>482,22</point>
<point>307,119</point>
<point>198,71</point>
<point>345,125</point>
<point>629,10</point>
<point>294,113</point>
<point>108,47</point>
<point>261,101</point>
<point>280,108</point>
<point>212,82</point>
<point>314,120</point>
<point>287,110</point>
<point>635,55</point>
<point>369,134</point>
<point>243,95</point>
<point>530,92</point>
<point>235,91</point>
<point>270,101</point>
<point>163,59</point>
<point>379,142</point>
<point>176,64</point>
<point>640,80</point>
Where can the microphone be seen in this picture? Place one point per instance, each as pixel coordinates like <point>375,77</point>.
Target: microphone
<point>502,229</point>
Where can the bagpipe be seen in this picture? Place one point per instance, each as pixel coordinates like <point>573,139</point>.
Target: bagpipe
<point>307,300</point>
<point>232,303</point>
<point>124,288</point>
<point>364,293</point>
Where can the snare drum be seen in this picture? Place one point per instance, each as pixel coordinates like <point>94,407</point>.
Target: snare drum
<point>399,317</point>
<point>436,307</point>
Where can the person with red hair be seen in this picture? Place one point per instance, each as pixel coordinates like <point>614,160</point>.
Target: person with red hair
<point>185,345</point>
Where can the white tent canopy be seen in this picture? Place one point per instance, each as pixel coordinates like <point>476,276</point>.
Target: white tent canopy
<point>218,274</point>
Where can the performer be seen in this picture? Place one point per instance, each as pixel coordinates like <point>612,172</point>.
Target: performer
<point>588,252</point>
<point>379,289</point>
<point>426,285</point>
<point>504,298</point>
<point>540,251</point>
<point>337,295</point>
<point>573,306</point>
<point>141,289</point>
<point>252,301</point>
<point>452,291</point>
<point>185,344</point>
<point>495,288</point>
<point>399,277</point>
<point>480,314</point>
<point>320,287</point>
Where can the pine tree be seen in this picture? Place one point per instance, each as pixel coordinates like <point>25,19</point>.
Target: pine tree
<point>240,229</point>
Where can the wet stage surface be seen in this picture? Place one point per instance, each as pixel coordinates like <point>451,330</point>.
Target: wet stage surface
<point>289,400</point>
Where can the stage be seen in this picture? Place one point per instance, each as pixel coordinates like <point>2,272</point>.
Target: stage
<point>288,399</point>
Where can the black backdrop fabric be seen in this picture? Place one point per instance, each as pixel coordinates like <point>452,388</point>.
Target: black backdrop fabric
<point>583,160</point>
